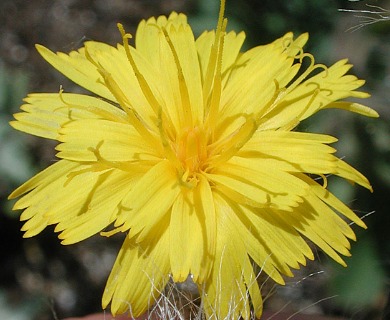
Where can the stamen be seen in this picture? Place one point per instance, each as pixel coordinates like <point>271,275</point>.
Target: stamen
<point>74,174</point>
<point>223,150</point>
<point>95,167</point>
<point>307,72</point>
<point>295,121</point>
<point>67,105</point>
<point>185,98</point>
<point>186,180</point>
<point>221,15</point>
<point>217,87</point>
<point>328,91</point>
<point>147,91</point>
<point>102,113</point>
<point>325,180</point>
<point>169,153</point>
<point>287,41</point>
<point>134,118</point>
<point>109,82</point>
<point>141,80</point>
<point>100,159</point>
<point>210,73</point>
<point>233,143</point>
<point>121,165</point>
<point>191,149</point>
<point>293,48</point>
<point>61,96</point>
<point>112,232</point>
<point>281,93</point>
<point>271,104</point>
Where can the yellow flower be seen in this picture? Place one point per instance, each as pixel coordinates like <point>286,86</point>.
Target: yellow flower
<point>189,149</point>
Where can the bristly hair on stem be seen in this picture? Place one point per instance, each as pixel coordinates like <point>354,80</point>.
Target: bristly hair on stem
<point>373,14</point>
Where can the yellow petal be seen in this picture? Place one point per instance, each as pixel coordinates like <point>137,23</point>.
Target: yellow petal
<point>185,243</point>
<point>98,210</point>
<point>102,140</point>
<point>334,202</point>
<point>149,201</point>
<point>77,68</point>
<point>184,43</point>
<point>354,107</point>
<point>192,234</point>
<point>173,54</point>
<point>232,45</point>
<point>328,225</point>
<point>285,247</point>
<point>322,226</point>
<point>49,175</point>
<point>139,275</point>
<point>120,76</point>
<point>45,113</point>
<point>290,151</point>
<point>54,196</point>
<point>257,249</point>
<point>314,94</point>
<point>260,187</point>
<point>346,171</point>
<point>204,207</point>
<point>270,63</point>
<point>225,294</point>
<point>316,238</point>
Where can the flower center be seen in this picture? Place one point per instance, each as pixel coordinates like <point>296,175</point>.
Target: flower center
<point>191,149</point>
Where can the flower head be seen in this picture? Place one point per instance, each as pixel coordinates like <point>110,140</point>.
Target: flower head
<point>188,146</point>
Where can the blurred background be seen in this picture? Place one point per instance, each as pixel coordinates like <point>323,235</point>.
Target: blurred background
<point>40,279</point>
